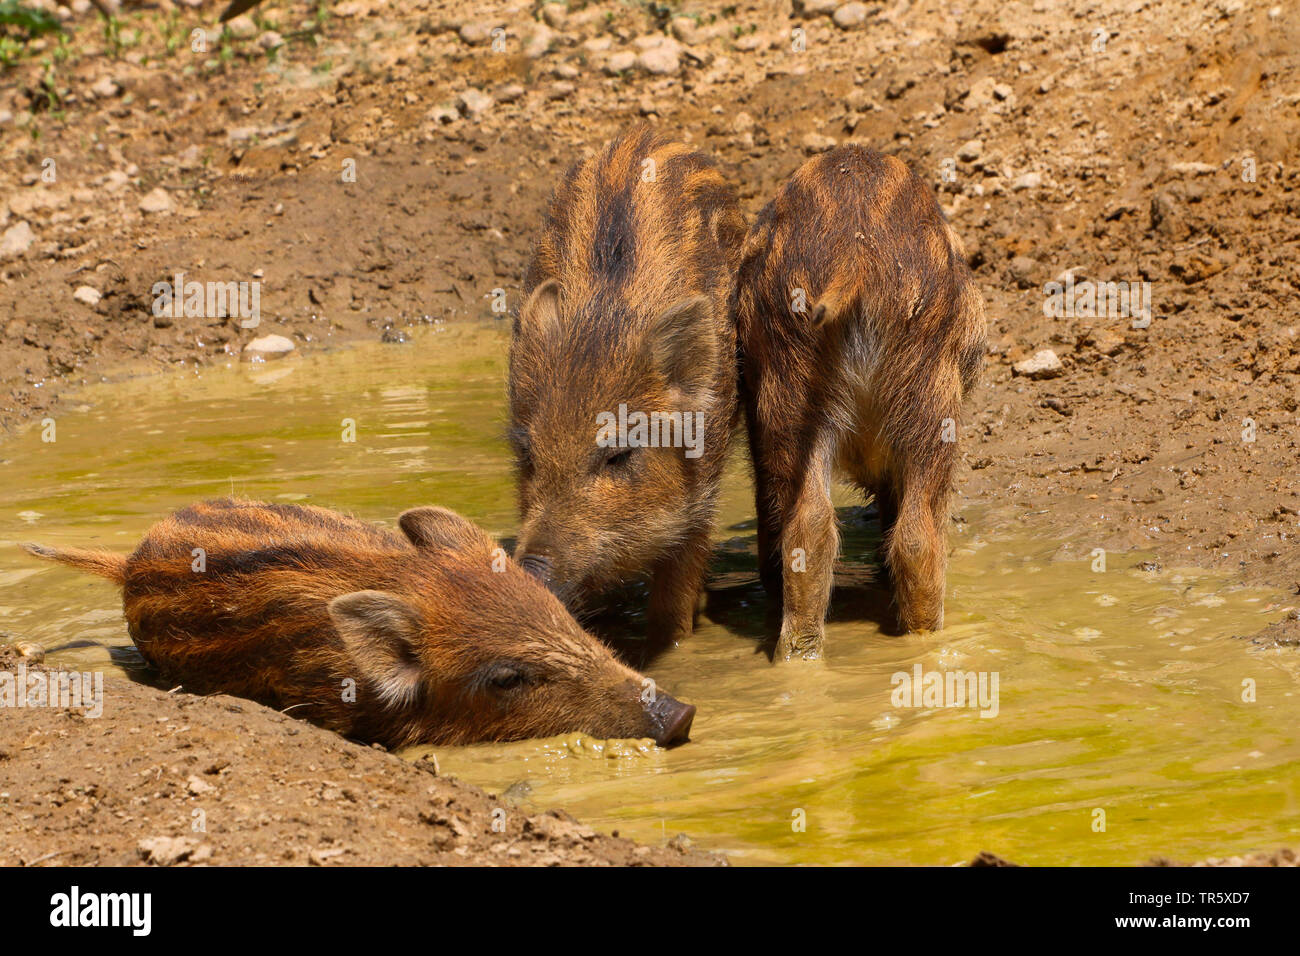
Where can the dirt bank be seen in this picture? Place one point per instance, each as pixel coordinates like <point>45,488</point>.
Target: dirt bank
<point>175,779</point>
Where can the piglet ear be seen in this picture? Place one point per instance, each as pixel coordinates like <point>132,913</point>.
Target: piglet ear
<point>379,631</point>
<point>542,310</point>
<point>434,527</point>
<point>683,344</point>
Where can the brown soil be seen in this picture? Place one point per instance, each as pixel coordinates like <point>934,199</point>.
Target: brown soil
<point>133,786</point>
<point>1122,161</point>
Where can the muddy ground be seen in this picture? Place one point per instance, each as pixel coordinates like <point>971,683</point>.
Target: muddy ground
<point>1119,140</point>
<point>175,779</point>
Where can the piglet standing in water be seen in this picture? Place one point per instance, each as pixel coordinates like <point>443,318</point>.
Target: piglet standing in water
<point>434,637</point>
<point>622,376</point>
<point>861,333</point>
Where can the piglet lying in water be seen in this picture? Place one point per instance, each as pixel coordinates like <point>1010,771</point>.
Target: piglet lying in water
<point>434,637</point>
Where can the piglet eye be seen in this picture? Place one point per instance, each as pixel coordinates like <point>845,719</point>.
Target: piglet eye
<point>505,677</point>
<point>619,459</point>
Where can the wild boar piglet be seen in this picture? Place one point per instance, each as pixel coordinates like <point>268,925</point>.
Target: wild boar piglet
<point>861,335</point>
<point>430,636</point>
<point>622,376</point>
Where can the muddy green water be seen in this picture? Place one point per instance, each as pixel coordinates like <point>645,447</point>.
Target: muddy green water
<point>1119,692</point>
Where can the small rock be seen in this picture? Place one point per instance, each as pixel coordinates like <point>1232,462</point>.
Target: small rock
<point>444,113</point>
<point>817,143</point>
<point>1027,181</point>
<point>852,15</point>
<point>620,62</point>
<point>242,27</point>
<point>980,94</point>
<point>33,652</point>
<point>198,785</point>
<point>478,33</point>
<point>322,857</point>
<point>970,150</point>
<point>561,90</point>
<point>157,200</point>
<point>685,29</point>
<point>87,294</point>
<point>555,14</point>
<point>1022,269</point>
<point>191,157</point>
<point>1192,169</point>
<point>267,347</point>
<point>539,41</point>
<point>808,9</point>
<point>270,40</point>
<point>166,851</point>
<point>16,240</point>
<point>105,88</point>
<point>1043,364</point>
<point>661,60</point>
<point>474,103</point>
<point>508,93</point>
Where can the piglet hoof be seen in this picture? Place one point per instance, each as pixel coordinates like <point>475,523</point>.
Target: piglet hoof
<point>802,647</point>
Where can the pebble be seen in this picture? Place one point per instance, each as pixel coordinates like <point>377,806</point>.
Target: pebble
<point>242,27</point>
<point>809,9</point>
<point>270,40</point>
<point>1043,364</point>
<point>267,347</point>
<point>474,103</point>
<point>853,15</point>
<point>555,14</point>
<point>539,42</point>
<point>686,30</point>
<point>444,114</point>
<point>87,294</point>
<point>166,851</point>
<point>16,240</point>
<point>817,143</point>
<point>508,93</point>
<point>661,60</point>
<point>105,88</point>
<point>157,200</point>
<point>620,62</point>
<point>970,150</point>
<point>478,33</point>
<point>33,652</point>
<point>1027,181</point>
<point>1022,270</point>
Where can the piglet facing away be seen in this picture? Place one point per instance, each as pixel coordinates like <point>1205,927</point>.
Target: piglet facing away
<point>435,637</point>
<point>622,376</point>
<point>861,333</point>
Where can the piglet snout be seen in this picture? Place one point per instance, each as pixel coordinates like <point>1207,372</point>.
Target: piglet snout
<point>670,720</point>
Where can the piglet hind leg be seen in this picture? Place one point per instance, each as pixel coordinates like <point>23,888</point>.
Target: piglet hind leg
<point>809,545</point>
<point>916,550</point>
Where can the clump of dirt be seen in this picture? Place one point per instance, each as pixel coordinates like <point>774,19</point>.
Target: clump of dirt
<point>179,780</point>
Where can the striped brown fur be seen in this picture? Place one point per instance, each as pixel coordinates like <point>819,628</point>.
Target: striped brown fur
<point>627,304</point>
<point>865,382</point>
<point>445,640</point>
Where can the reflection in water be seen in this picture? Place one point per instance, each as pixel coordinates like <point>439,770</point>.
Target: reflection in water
<point>1118,691</point>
